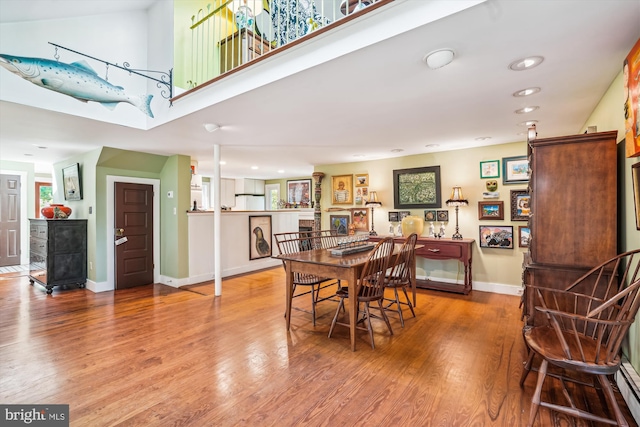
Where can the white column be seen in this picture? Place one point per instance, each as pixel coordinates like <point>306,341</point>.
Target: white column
<point>217,264</point>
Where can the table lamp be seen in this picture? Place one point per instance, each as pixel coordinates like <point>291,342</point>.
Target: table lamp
<point>373,202</point>
<point>457,200</point>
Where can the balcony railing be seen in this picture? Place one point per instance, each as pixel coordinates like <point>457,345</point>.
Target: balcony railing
<point>241,32</point>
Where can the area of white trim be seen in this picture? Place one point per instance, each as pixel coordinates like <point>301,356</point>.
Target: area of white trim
<point>628,380</point>
<point>111,267</point>
<point>497,288</point>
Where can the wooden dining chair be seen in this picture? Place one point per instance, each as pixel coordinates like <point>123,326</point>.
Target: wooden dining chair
<point>585,326</point>
<point>370,288</point>
<point>399,277</point>
<point>294,242</point>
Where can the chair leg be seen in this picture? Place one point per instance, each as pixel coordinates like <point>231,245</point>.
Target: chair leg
<point>313,303</point>
<point>398,307</point>
<point>409,303</point>
<point>535,401</point>
<point>335,317</point>
<point>611,398</point>
<point>367,315</point>
<point>385,317</point>
<point>527,367</point>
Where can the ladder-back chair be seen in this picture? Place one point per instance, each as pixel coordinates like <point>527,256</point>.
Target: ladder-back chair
<point>399,277</point>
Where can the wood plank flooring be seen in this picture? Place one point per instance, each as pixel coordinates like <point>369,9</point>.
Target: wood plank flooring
<point>159,356</point>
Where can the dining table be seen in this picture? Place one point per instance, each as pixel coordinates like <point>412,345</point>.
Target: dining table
<point>347,267</point>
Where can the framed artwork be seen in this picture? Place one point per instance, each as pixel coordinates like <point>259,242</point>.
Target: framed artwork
<point>523,236</point>
<point>490,169</point>
<point>515,170</point>
<point>416,188</point>
<point>491,210</point>
<point>520,205</point>
<point>443,215</point>
<point>260,239</point>
<point>404,214</point>
<point>362,195</point>
<point>362,179</point>
<point>71,182</point>
<point>299,191</point>
<point>394,217</point>
<point>342,190</point>
<point>430,215</point>
<point>496,236</point>
<point>635,177</point>
<point>340,223</point>
<point>360,219</point>
<point>631,72</point>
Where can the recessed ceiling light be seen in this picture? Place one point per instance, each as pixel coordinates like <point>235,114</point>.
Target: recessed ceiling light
<point>526,92</point>
<point>526,109</point>
<point>483,138</point>
<point>397,150</point>
<point>280,170</point>
<point>28,155</point>
<point>254,168</point>
<point>528,123</point>
<point>526,63</point>
<point>42,147</point>
<point>222,162</point>
<point>358,155</point>
<point>211,127</point>
<point>439,58</point>
<point>432,145</point>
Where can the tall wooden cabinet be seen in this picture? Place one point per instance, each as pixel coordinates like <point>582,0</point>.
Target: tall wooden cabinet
<point>573,222</point>
<point>58,252</point>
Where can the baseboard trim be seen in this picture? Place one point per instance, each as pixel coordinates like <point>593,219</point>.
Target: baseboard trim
<point>496,288</point>
<point>628,382</point>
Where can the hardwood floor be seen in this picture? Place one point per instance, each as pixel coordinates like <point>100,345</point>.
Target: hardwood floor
<point>159,356</point>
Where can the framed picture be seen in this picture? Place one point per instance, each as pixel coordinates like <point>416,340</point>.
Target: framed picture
<point>72,183</point>
<point>416,188</point>
<point>342,190</point>
<point>520,205</point>
<point>299,191</point>
<point>496,236</point>
<point>490,169</point>
<point>443,215</point>
<point>404,214</point>
<point>635,177</point>
<point>362,179</point>
<point>340,223</point>
<point>491,210</point>
<point>360,219</point>
<point>523,236</point>
<point>430,215</point>
<point>260,239</point>
<point>362,195</point>
<point>515,170</point>
<point>394,217</point>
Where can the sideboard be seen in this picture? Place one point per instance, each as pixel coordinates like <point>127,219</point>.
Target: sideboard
<point>443,249</point>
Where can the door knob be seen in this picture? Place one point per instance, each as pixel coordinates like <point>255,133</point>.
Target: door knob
<point>119,232</point>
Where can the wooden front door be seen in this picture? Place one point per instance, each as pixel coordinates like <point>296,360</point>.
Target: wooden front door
<point>133,234</point>
<point>9,220</point>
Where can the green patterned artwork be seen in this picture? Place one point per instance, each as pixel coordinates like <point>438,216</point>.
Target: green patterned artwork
<point>417,187</point>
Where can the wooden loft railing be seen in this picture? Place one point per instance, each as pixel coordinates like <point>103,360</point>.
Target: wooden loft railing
<point>222,45</point>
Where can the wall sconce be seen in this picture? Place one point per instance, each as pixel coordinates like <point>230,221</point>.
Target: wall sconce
<point>532,133</point>
<point>373,202</point>
<point>457,199</point>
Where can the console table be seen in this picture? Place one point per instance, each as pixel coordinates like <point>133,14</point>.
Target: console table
<point>443,249</point>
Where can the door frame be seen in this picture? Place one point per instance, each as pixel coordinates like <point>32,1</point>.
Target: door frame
<point>111,225</point>
<point>24,213</point>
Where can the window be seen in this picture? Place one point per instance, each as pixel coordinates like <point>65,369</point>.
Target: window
<point>272,192</point>
<point>44,196</point>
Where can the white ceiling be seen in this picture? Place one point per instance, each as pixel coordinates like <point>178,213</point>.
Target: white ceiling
<point>374,100</point>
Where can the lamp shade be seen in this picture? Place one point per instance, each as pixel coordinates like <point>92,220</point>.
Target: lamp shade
<point>456,198</point>
<point>532,133</point>
<point>373,200</point>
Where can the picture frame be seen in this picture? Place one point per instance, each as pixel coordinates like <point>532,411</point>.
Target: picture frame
<point>515,170</point>
<point>362,195</point>
<point>342,190</point>
<point>490,169</point>
<point>360,219</point>
<point>299,191</point>
<point>524,234</point>
<point>394,217</point>
<point>260,237</point>
<point>443,215</point>
<point>340,223</point>
<point>404,214</point>
<point>520,205</point>
<point>362,179</point>
<point>72,182</point>
<point>417,188</point>
<point>430,215</point>
<point>491,210</point>
<point>496,236</point>
<point>635,178</point>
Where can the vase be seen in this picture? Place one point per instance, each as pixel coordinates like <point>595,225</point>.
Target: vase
<point>412,224</point>
<point>56,210</point>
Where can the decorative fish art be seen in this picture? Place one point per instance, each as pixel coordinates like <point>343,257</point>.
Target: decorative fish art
<point>77,80</point>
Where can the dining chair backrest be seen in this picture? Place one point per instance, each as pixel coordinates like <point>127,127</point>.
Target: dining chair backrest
<point>300,241</point>
<point>400,273</point>
<point>371,282</point>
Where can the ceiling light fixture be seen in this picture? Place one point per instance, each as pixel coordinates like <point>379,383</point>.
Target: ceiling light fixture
<point>431,145</point>
<point>483,138</point>
<point>526,109</point>
<point>526,63</point>
<point>358,155</point>
<point>211,127</point>
<point>526,92</point>
<point>280,170</point>
<point>222,162</point>
<point>397,150</point>
<point>254,168</point>
<point>528,123</point>
<point>439,58</point>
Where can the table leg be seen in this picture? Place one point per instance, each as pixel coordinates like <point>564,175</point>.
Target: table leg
<point>413,278</point>
<point>289,272</point>
<point>353,307</point>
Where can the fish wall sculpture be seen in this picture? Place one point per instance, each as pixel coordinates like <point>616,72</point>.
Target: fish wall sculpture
<point>77,80</point>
